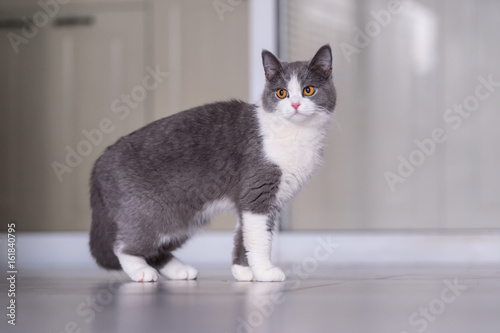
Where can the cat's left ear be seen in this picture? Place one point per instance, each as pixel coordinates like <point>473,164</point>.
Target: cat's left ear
<point>321,63</point>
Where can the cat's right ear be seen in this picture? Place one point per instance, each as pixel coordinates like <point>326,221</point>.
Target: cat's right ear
<point>272,65</point>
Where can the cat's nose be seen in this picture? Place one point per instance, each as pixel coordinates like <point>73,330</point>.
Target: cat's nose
<point>295,106</point>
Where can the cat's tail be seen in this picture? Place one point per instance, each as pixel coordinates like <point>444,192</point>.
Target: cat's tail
<point>103,229</point>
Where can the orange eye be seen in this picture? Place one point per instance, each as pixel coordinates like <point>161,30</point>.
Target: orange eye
<point>308,91</point>
<point>281,93</point>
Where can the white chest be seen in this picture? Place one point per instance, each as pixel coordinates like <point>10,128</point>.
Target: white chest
<point>294,148</point>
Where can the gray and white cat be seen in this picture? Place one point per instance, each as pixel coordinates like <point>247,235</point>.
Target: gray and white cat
<point>154,188</point>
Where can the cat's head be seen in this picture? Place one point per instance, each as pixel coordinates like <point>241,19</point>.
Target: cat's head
<point>302,90</point>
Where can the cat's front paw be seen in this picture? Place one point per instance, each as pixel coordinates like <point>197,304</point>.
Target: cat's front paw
<point>145,274</point>
<point>273,274</point>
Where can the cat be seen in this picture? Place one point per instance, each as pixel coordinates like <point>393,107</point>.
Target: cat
<point>153,188</point>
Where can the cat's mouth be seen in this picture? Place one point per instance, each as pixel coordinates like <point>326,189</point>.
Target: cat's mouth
<point>299,115</point>
<point>303,113</point>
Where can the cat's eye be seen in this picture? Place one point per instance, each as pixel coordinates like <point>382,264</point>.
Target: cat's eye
<point>308,91</point>
<point>281,93</point>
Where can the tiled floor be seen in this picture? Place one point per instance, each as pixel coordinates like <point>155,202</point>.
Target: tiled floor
<point>347,299</point>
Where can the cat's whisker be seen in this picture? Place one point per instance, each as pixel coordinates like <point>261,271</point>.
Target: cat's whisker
<point>334,120</point>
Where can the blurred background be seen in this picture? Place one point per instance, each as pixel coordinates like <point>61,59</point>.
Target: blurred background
<point>415,144</point>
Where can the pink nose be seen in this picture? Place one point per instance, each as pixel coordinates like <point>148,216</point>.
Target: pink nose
<point>295,106</point>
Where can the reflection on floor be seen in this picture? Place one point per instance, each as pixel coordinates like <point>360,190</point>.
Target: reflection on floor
<point>341,299</point>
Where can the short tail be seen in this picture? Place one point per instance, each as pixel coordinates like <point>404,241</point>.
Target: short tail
<point>102,231</point>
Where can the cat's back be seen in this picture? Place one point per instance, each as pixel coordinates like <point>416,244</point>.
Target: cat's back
<point>195,137</point>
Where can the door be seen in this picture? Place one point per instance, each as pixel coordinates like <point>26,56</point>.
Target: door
<point>63,97</point>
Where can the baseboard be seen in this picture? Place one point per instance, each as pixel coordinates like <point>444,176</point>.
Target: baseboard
<point>42,250</point>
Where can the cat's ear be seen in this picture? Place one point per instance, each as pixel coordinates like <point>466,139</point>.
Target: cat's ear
<point>321,63</point>
<point>272,65</point>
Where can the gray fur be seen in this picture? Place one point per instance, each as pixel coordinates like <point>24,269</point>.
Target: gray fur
<point>239,252</point>
<point>155,181</point>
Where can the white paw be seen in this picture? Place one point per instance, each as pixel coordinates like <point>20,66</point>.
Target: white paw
<point>145,274</point>
<point>273,274</point>
<point>242,273</point>
<point>176,270</point>
<point>180,273</point>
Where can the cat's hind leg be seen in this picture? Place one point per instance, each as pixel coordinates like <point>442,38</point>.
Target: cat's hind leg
<point>240,269</point>
<point>171,267</point>
<point>136,267</point>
